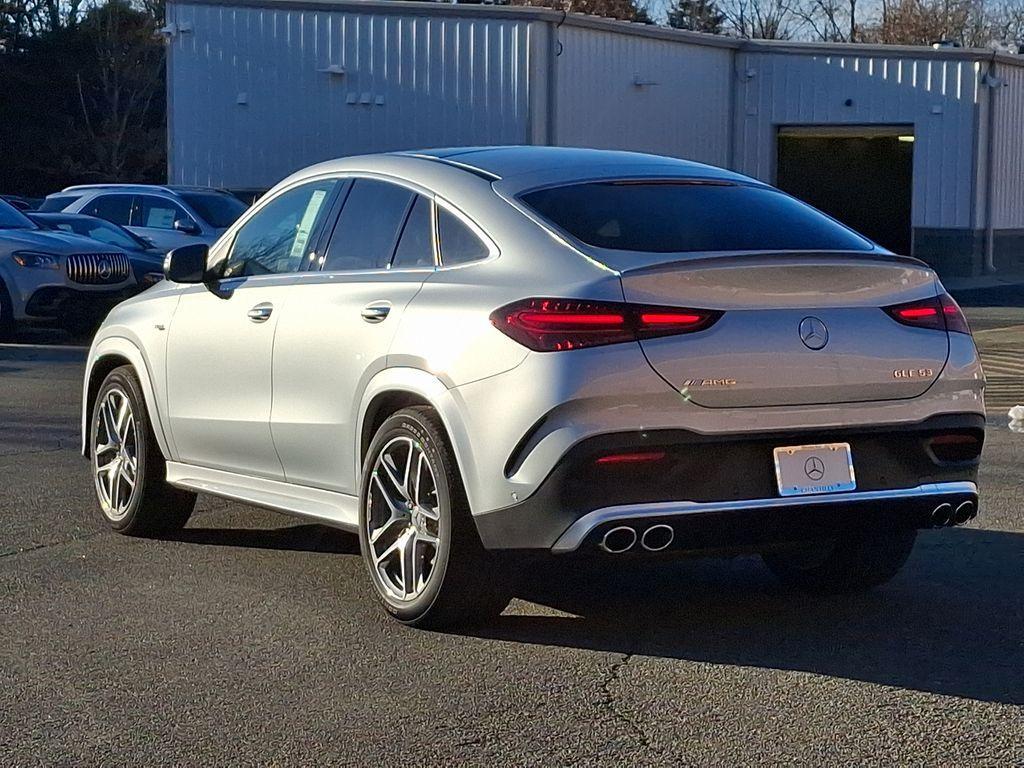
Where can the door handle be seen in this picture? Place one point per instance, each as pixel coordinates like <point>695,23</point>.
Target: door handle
<point>261,312</point>
<point>376,312</point>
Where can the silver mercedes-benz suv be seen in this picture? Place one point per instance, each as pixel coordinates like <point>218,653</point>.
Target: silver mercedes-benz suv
<point>463,352</point>
<point>55,276</point>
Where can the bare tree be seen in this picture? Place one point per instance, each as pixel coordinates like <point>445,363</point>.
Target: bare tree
<point>830,20</point>
<point>762,19</point>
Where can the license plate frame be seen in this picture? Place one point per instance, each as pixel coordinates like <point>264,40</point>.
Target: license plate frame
<point>810,470</point>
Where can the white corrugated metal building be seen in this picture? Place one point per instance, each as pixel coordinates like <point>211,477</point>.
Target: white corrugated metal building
<point>922,149</point>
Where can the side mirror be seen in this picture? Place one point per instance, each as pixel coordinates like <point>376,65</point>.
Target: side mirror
<point>186,227</point>
<point>186,264</point>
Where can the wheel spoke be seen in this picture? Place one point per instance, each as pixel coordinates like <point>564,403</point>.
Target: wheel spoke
<point>392,504</point>
<point>115,489</point>
<point>106,468</point>
<point>108,420</point>
<point>390,471</point>
<point>126,475</point>
<point>388,525</point>
<point>410,572</point>
<point>126,427</point>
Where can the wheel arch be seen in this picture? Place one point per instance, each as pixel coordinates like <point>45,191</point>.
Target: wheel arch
<point>106,355</point>
<point>396,388</point>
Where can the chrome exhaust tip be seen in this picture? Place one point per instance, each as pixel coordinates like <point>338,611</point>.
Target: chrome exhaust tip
<point>657,537</point>
<point>964,512</point>
<point>619,539</point>
<point>942,515</point>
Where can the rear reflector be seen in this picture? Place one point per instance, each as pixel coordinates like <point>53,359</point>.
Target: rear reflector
<point>551,325</point>
<point>940,313</point>
<point>639,457</point>
<point>958,446</point>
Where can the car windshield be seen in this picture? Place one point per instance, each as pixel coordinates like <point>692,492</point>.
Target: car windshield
<point>680,216</point>
<point>217,209</point>
<point>12,218</point>
<point>97,229</point>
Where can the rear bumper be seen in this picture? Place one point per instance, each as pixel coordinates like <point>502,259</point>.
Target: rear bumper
<point>760,522</point>
<point>725,487</point>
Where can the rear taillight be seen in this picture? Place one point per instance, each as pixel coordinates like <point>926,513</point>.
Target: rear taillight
<point>940,313</point>
<point>955,447</point>
<point>551,325</point>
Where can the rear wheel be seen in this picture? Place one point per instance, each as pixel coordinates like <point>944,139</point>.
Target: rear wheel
<point>417,537</point>
<point>128,468</point>
<point>851,564</point>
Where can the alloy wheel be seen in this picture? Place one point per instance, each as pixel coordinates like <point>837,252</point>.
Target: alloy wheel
<point>402,520</point>
<point>115,453</point>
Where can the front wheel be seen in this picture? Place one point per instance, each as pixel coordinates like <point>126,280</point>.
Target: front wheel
<point>417,537</point>
<point>851,564</point>
<point>129,471</point>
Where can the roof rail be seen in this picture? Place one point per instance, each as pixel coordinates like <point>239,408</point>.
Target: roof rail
<point>79,187</point>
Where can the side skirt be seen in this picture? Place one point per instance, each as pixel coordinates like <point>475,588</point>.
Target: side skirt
<point>337,509</point>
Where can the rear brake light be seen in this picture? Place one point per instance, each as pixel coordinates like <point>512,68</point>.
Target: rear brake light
<point>940,313</point>
<point>550,325</point>
<point>955,447</point>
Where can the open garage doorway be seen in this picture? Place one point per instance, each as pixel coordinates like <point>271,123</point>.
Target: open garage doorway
<point>862,176</point>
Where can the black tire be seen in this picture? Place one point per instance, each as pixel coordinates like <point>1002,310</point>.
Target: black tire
<point>467,585</point>
<point>154,507</point>
<point>7,325</point>
<point>852,564</point>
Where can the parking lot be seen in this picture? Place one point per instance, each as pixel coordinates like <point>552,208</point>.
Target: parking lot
<point>251,637</point>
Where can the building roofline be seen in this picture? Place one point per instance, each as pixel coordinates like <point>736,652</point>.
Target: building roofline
<point>537,13</point>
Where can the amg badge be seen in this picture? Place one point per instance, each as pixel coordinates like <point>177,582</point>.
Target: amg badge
<point>709,383</point>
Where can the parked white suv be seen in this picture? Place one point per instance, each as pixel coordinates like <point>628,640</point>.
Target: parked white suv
<point>47,275</point>
<point>169,217</point>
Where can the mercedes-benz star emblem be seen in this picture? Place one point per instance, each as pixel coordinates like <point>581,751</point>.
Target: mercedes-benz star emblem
<point>814,468</point>
<point>104,269</point>
<point>813,333</point>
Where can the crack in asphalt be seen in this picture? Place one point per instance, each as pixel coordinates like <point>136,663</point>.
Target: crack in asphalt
<point>610,702</point>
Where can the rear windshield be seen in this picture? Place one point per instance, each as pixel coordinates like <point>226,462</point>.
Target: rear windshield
<point>688,216</point>
<point>56,203</point>
<point>217,210</point>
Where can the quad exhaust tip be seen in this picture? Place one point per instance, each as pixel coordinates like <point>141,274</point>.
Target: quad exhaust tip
<point>657,537</point>
<point>942,515</point>
<point>964,512</point>
<point>619,539</point>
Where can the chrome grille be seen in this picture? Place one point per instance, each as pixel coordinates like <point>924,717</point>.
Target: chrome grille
<point>98,268</point>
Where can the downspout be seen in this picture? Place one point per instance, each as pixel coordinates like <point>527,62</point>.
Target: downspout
<point>992,83</point>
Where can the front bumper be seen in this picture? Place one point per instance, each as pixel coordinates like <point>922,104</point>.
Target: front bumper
<point>51,302</point>
<point>725,486</point>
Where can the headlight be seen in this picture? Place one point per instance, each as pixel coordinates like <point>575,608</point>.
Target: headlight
<point>36,260</point>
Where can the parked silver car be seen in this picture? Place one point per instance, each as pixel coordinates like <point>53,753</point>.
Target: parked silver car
<point>167,216</point>
<point>463,352</point>
<point>47,275</point>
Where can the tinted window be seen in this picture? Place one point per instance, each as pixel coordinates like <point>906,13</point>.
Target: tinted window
<point>457,242</point>
<point>275,239</point>
<point>218,210</point>
<point>115,208</point>
<point>416,245</point>
<point>158,213</point>
<point>12,218</point>
<point>56,203</point>
<point>680,217</point>
<point>364,237</point>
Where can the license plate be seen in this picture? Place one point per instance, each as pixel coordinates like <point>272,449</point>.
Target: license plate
<point>807,469</point>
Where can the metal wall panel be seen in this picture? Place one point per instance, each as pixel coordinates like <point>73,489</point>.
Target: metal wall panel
<point>250,101</point>
<point>623,91</point>
<point>937,97</point>
<point>1008,165</point>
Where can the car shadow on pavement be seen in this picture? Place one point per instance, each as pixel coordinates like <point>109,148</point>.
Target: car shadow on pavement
<point>951,623</point>
<point>299,538</point>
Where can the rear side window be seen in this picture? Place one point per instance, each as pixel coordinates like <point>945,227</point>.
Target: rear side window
<point>368,226</point>
<point>457,243</point>
<point>115,208</point>
<point>416,245</point>
<point>217,209</point>
<point>688,216</point>
<point>56,203</point>
<point>278,235</point>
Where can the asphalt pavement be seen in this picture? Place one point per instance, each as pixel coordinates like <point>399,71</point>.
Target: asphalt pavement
<point>250,639</point>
